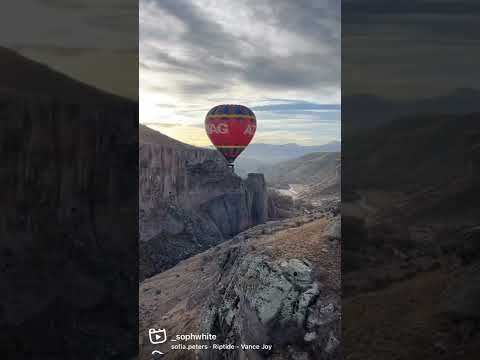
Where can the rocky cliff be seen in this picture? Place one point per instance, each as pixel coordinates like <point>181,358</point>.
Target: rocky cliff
<point>69,209</point>
<point>190,201</point>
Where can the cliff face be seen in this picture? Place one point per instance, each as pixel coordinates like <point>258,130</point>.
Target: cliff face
<point>190,201</point>
<point>164,180</point>
<point>68,225</point>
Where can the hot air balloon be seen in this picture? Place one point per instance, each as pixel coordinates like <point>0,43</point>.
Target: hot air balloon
<point>230,128</point>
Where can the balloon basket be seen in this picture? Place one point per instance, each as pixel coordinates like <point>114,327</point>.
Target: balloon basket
<point>231,167</point>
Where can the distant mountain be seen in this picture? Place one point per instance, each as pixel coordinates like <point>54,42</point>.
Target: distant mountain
<point>307,170</point>
<point>419,150</point>
<point>367,111</point>
<point>260,155</point>
<point>271,152</point>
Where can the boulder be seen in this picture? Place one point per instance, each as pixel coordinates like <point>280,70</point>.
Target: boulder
<point>261,301</point>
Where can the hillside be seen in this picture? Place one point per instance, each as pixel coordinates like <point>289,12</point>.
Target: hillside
<point>309,169</point>
<point>147,135</point>
<point>257,156</point>
<point>410,151</point>
<point>364,111</point>
<point>275,284</point>
<point>410,225</point>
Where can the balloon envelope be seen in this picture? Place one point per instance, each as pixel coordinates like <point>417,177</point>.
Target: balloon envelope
<point>230,128</point>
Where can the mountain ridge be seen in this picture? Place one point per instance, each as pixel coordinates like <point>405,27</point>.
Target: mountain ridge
<point>368,110</point>
<point>259,155</point>
<point>27,77</point>
<point>308,169</point>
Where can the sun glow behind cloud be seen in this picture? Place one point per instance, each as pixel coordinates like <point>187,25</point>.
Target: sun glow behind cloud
<point>197,54</point>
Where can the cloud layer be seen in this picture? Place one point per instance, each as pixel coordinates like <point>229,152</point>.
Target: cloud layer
<point>412,48</point>
<point>280,57</point>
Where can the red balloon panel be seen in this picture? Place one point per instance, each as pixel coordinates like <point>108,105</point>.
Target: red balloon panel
<point>230,128</point>
<point>228,131</point>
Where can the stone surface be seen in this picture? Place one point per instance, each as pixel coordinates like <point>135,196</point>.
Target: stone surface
<point>261,301</point>
<point>281,288</point>
<point>266,303</point>
<point>190,201</point>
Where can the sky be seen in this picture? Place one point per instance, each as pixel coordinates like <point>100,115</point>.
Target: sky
<point>94,41</point>
<point>281,58</point>
<point>410,48</point>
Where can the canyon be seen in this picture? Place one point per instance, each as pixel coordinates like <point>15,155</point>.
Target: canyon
<point>225,255</point>
<point>190,200</point>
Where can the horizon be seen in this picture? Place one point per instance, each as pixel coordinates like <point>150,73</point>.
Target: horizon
<point>200,55</point>
<point>211,146</point>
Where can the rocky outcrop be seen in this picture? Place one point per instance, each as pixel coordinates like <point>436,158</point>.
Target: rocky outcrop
<point>257,189</point>
<point>276,303</point>
<point>276,284</point>
<point>280,206</point>
<point>190,201</point>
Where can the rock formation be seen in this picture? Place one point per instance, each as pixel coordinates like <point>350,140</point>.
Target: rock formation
<point>257,188</point>
<point>277,284</point>
<point>261,302</point>
<point>190,201</point>
<point>69,210</point>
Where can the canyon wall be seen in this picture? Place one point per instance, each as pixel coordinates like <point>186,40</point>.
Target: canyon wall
<point>190,201</point>
<point>68,227</point>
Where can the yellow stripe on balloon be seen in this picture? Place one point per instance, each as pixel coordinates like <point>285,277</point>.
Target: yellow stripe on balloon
<point>230,146</point>
<point>231,116</point>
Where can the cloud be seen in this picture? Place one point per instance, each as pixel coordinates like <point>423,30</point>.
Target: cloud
<point>200,53</point>
<point>160,125</point>
<point>408,49</point>
<point>297,106</point>
<point>295,49</point>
